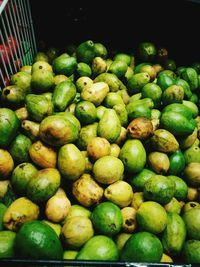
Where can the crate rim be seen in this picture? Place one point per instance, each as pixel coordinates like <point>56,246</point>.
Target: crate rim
<point>56,263</point>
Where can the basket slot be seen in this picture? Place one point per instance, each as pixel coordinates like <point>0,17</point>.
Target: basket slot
<point>17,38</point>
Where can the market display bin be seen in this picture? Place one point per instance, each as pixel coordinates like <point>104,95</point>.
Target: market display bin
<point>28,26</point>
<point>17,38</point>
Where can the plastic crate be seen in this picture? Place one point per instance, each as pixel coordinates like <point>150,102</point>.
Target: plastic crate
<point>17,38</point>
<point>16,25</point>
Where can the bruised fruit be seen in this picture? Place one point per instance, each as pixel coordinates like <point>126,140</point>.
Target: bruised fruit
<point>140,128</point>
<point>98,147</point>
<point>20,211</point>
<point>129,219</point>
<point>87,191</point>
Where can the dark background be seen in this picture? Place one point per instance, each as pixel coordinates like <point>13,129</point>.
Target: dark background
<point>121,25</point>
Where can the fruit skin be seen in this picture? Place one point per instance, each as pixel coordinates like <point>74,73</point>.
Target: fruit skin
<point>57,207</point>
<point>65,65</point>
<point>20,211</point>
<point>191,219</point>
<point>177,162</point>
<point>181,188</point>
<point>147,51</point>
<point>7,241</point>
<point>22,79</point>
<point>192,154</point>
<point>21,176</point>
<point>83,69</point>
<point>120,239</point>
<point>43,185</point>
<point>63,95</point>
<point>153,91</point>
<point>40,56</point>
<point>139,108</point>
<point>85,111</point>
<point>9,124</point>
<point>108,169</point>
<point>129,219</point>
<point>109,125</point>
<point>186,87</point>
<point>118,67</point>
<point>95,93</point>
<point>140,128</point>
<point>191,251</point>
<point>139,179</point>
<point>133,156</point>
<point>3,209</point>
<point>100,50</point>
<point>19,148</point>
<point>172,94</point>
<point>158,162</point>
<point>57,130</point>
<point>6,164</point>
<point>120,193</point>
<point>190,75</point>
<point>99,247</point>
<point>41,65</point>
<point>174,206</point>
<point>191,174</point>
<point>174,235</point>
<point>192,106</point>
<point>38,240</point>
<point>111,79</point>
<point>180,108</point>
<point>87,191</point>
<point>176,123</point>
<point>98,147</point>
<point>159,188</point>
<point>137,81</point>
<point>38,106</point>
<point>107,218</point>
<point>151,217</point>
<point>71,162</point>
<point>142,247</point>
<point>41,80</point>
<point>85,52</point>
<point>86,134</point>
<point>76,231</point>
<point>13,96</point>
<point>166,258</point>
<point>42,155</point>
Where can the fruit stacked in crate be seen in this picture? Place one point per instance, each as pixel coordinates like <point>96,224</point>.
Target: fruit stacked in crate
<point>100,157</point>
